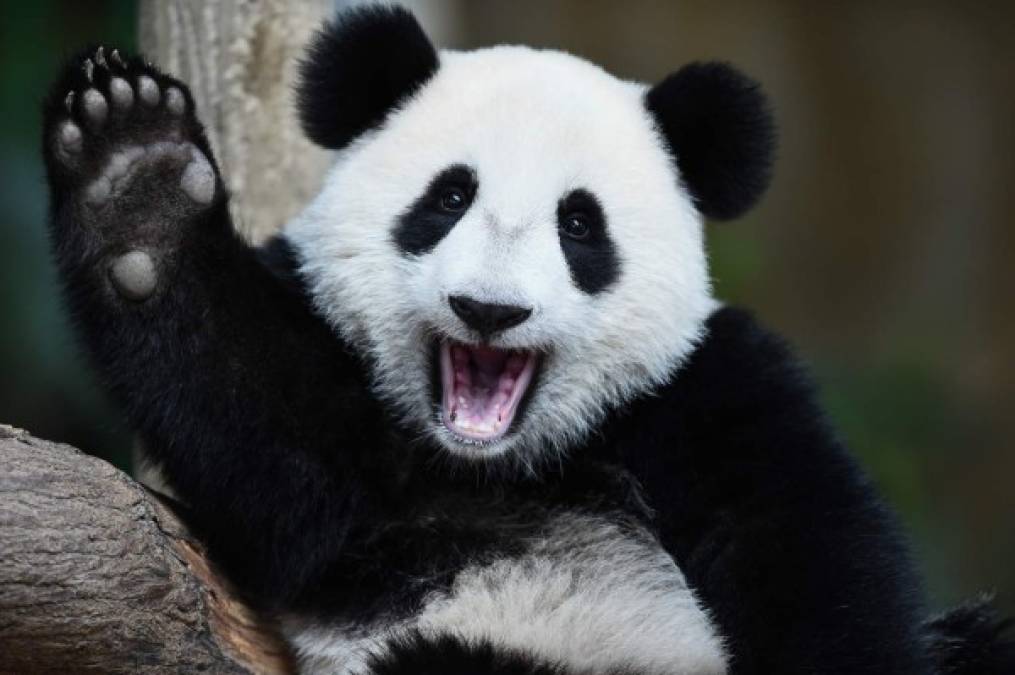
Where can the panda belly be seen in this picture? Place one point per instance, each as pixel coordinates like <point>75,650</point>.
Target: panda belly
<point>590,594</point>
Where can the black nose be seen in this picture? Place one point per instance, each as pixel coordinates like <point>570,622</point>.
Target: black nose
<point>486,318</point>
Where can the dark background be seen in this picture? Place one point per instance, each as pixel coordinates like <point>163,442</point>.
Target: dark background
<point>884,250</point>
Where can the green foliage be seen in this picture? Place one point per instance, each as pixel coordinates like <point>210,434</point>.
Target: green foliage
<point>44,386</point>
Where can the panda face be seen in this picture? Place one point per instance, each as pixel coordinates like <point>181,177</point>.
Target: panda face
<point>512,250</point>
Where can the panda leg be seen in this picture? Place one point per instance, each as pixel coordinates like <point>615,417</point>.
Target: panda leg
<point>218,365</point>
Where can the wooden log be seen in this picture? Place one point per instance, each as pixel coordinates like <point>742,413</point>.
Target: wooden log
<point>98,575</point>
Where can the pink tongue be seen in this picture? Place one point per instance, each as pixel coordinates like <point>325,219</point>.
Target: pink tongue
<point>488,388</point>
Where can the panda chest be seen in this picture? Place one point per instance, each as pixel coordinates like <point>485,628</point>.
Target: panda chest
<point>589,593</point>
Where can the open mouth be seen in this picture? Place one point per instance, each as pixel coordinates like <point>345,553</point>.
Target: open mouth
<point>482,388</point>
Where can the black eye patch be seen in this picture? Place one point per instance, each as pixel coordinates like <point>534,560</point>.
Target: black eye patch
<point>590,254</point>
<point>434,213</point>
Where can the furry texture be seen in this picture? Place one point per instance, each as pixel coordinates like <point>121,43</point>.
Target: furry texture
<point>359,67</point>
<point>422,226</point>
<point>720,129</point>
<point>220,404</point>
<point>712,522</point>
<point>972,640</point>
<point>599,349</point>
<point>767,515</point>
<point>590,253</point>
<point>589,590</point>
<point>417,654</point>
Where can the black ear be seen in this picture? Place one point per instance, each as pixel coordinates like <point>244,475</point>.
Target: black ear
<point>357,68</point>
<point>721,132</point>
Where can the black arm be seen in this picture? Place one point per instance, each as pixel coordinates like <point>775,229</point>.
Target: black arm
<point>786,542</point>
<point>246,398</point>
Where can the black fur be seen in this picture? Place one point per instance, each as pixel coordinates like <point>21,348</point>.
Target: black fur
<point>782,536</point>
<point>358,67</point>
<point>419,654</point>
<point>222,370</point>
<point>972,640</point>
<point>312,499</point>
<point>722,134</point>
<point>426,526</point>
<point>426,222</point>
<point>448,655</point>
<point>592,259</point>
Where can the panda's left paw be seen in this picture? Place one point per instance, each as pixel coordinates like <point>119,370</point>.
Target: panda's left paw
<point>129,166</point>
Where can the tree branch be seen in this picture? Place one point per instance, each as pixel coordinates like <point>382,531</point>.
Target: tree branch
<point>96,574</point>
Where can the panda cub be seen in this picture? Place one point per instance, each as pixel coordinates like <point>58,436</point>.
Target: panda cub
<point>476,409</point>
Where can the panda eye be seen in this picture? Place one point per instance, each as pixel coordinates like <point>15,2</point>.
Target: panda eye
<point>576,225</point>
<point>453,199</point>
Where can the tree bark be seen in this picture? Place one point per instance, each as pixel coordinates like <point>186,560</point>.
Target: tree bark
<point>97,575</point>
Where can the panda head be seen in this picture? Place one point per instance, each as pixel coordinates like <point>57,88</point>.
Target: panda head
<point>512,237</point>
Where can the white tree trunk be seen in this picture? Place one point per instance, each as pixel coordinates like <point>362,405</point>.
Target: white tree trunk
<point>240,58</point>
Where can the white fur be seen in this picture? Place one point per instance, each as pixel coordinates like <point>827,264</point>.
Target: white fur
<point>589,594</point>
<point>534,125</point>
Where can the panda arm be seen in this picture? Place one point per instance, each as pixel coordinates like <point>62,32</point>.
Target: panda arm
<point>782,537</point>
<point>243,397</point>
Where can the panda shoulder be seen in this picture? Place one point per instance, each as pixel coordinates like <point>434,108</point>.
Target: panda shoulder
<point>739,359</point>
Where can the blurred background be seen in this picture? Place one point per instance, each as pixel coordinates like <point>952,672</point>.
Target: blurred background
<point>885,249</point>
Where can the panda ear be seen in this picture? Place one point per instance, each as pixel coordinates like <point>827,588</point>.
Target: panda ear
<point>357,68</point>
<point>720,130</point>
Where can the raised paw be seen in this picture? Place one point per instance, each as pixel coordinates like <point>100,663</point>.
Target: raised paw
<point>129,166</point>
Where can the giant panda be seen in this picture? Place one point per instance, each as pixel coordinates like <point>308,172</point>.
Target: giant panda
<point>477,409</point>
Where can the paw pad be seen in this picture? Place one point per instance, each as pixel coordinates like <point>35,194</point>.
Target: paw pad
<point>175,101</point>
<point>133,275</point>
<point>121,93</point>
<point>148,90</point>
<point>128,152</point>
<point>198,179</point>
<point>96,108</point>
<point>71,140</point>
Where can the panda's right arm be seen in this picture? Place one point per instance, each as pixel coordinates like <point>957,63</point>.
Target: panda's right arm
<point>780,534</point>
<point>243,396</point>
